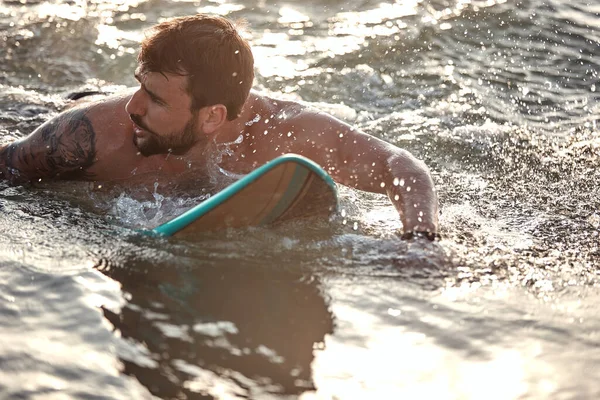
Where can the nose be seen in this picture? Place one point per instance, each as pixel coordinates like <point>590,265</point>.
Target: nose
<point>135,105</point>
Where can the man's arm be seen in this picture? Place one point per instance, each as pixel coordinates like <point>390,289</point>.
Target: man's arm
<point>358,160</point>
<point>62,147</point>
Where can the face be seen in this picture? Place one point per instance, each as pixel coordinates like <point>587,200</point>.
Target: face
<point>161,116</point>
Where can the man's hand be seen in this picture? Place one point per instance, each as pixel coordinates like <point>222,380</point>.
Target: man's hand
<point>410,188</point>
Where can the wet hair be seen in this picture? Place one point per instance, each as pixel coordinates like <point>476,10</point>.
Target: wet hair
<point>210,52</point>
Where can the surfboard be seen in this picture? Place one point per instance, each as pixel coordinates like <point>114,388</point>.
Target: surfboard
<point>287,188</point>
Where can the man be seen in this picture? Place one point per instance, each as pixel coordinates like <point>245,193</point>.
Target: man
<point>195,77</point>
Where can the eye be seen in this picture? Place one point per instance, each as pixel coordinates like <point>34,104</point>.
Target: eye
<point>155,99</point>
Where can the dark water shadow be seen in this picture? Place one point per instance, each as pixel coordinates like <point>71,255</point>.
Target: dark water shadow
<point>234,327</point>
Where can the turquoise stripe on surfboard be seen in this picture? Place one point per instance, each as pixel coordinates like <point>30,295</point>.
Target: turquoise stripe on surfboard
<point>180,222</point>
<point>298,179</point>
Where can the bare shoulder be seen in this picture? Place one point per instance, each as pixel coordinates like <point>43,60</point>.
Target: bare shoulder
<point>295,127</point>
<point>108,117</point>
<point>64,145</point>
<point>287,118</point>
<point>67,145</point>
<point>273,110</point>
<point>99,107</point>
<point>101,121</point>
<point>280,126</point>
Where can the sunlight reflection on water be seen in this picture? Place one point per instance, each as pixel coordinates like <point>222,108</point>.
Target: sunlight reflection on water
<point>500,100</point>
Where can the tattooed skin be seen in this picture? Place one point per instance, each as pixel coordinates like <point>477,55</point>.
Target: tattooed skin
<point>62,147</point>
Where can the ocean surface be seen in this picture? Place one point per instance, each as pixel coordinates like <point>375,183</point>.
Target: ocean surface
<point>499,97</point>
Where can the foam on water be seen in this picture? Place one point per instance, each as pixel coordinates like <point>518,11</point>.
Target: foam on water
<point>149,214</point>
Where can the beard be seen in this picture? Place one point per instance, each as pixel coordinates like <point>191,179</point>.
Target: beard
<point>178,143</point>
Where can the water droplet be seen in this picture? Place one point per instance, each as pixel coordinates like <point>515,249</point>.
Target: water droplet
<point>396,197</point>
<point>382,184</point>
<point>393,312</point>
<point>355,226</point>
<point>408,188</point>
<point>253,120</point>
<point>396,181</point>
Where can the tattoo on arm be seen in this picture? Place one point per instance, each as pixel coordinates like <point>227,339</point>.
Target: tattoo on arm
<point>63,147</point>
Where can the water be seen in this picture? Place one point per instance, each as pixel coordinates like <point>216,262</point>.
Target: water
<point>500,98</point>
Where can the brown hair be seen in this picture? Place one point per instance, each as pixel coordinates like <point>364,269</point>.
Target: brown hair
<point>210,51</point>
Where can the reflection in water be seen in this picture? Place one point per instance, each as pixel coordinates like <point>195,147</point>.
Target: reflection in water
<point>501,100</point>
<point>219,330</point>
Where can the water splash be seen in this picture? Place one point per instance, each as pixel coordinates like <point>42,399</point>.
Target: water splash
<point>147,214</point>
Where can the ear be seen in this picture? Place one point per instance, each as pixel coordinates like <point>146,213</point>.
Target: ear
<point>211,118</point>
